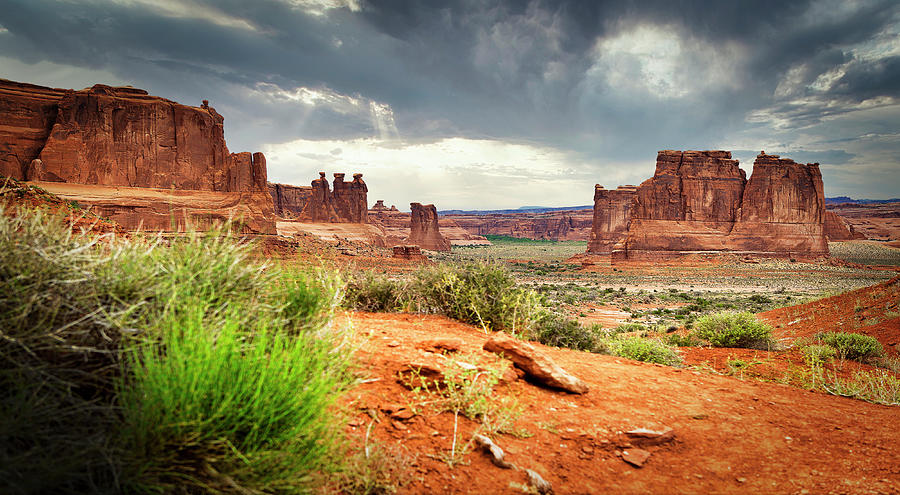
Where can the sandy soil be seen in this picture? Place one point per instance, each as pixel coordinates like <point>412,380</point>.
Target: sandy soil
<point>732,436</point>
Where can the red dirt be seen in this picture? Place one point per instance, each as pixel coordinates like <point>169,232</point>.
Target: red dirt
<point>732,436</point>
<point>873,311</point>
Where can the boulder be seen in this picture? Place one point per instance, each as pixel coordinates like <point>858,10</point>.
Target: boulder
<point>423,229</point>
<point>536,365</point>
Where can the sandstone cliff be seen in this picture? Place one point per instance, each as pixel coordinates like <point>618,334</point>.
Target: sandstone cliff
<point>612,211</point>
<point>289,200</point>
<point>123,137</point>
<point>424,231</point>
<point>701,202</point>
<point>837,229</point>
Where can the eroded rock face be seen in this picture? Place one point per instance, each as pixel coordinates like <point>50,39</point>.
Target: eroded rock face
<point>405,252</point>
<point>701,202</point>
<point>124,137</point>
<point>612,212</point>
<point>424,231</point>
<point>346,203</point>
<point>836,229</point>
<point>289,200</point>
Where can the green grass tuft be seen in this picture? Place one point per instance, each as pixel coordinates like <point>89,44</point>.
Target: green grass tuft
<point>729,329</point>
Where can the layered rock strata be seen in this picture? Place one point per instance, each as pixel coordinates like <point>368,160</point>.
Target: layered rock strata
<point>836,229</point>
<point>567,225</point>
<point>346,203</point>
<point>289,200</point>
<point>701,202</point>
<point>612,211</point>
<point>424,231</point>
<point>123,137</point>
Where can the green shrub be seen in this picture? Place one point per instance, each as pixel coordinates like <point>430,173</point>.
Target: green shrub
<point>647,350</point>
<point>217,405</point>
<point>689,340</point>
<point>729,329</point>
<point>853,346</point>
<point>630,328</point>
<point>481,294</point>
<point>556,330</point>
<point>817,355</point>
<point>368,291</point>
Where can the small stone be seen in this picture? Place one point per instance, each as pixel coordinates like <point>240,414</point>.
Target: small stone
<point>397,425</point>
<point>538,483</point>
<point>393,343</point>
<point>493,450</point>
<point>403,414</point>
<point>635,457</point>
<point>741,480</point>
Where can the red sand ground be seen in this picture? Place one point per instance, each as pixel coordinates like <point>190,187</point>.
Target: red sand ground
<point>732,436</point>
<point>873,311</point>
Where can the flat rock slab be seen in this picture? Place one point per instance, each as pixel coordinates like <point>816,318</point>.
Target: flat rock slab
<point>535,364</point>
<point>645,436</point>
<point>635,457</point>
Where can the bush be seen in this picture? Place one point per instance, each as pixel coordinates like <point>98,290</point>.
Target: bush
<point>817,356</point>
<point>677,340</point>
<point>647,350</point>
<point>729,329</point>
<point>853,346</point>
<point>556,330</point>
<point>481,294</point>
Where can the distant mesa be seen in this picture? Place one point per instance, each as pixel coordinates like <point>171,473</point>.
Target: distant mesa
<point>139,159</point>
<point>700,202</point>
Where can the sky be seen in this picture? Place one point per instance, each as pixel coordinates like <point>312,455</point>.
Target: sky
<point>474,104</point>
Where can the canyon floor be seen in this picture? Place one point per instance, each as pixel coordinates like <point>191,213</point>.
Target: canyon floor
<point>743,420</point>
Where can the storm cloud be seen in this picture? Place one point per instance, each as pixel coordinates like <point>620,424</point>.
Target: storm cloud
<point>496,104</point>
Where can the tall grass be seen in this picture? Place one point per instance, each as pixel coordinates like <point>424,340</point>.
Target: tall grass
<point>144,365</point>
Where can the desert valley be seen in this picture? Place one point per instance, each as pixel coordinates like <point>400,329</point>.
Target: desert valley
<point>176,317</point>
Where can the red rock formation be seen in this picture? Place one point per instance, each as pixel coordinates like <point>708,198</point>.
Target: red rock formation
<point>396,227</point>
<point>783,210</point>
<point>289,200</point>
<point>871,221</point>
<point>347,203</point>
<point>424,231</point>
<point>700,201</point>
<point>124,137</point>
<point>612,212</point>
<point>836,229</point>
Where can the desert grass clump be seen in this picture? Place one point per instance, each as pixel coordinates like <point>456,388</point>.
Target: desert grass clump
<point>217,405</point>
<point>642,349</point>
<point>853,346</point>
<point>100,339</point>
<point>730,329</point>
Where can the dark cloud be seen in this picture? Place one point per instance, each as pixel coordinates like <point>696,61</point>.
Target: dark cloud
<point>542,72</point>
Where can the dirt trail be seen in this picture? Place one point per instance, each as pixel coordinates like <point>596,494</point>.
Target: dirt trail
<point>732,436</point>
